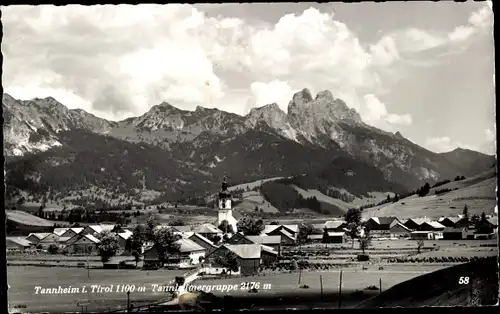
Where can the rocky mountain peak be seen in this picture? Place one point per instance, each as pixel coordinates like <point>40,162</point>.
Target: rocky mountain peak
<point>302,97</point>
<point>325,95</point>
<point>398,134</point>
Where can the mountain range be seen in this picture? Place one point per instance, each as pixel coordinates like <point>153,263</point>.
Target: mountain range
<point>184,154</point>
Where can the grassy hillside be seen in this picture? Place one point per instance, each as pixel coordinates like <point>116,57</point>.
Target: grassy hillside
<point>477,192</point>
<point>27,219</point>
<point>442,288</point>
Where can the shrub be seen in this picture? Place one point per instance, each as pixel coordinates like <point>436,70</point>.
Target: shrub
<point>363,257</point>
<point>53,249</point>
<point>304,287</point>
<point>371,288</point>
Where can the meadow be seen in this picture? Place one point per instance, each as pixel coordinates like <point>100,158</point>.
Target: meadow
<point>23,279</point>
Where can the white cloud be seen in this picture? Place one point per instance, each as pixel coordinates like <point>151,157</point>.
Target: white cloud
<point>273,92</point>
<point>404,119</point>
<point>374,111</point>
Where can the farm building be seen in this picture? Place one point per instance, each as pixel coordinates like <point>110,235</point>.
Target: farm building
<point>380,226</point>
<point>270,241</point>
<point>449,222</point>
<point>415,235</point>
<point>71,232</point>
<point>208,245</point>
<point>123,239</point>
<point>208,231</point>
<point>315,238</point>
<point>121,261</point>
<point>490,225</point>
<point>334,237</point>
<point>431,226</point>
<point>249,256</point>
<point>239,238</point>
<point>335,226</point>
<point>288,233</point>
<point>399,230</point>
<point>17,244</point>
<point>182,228</point>
<point>190,253</point>
<point>454,233</point>
<point>19,223</point>
<point>47,238</point>
<point>96,229</point>
<point>60,231</point>
<point>83,244</point>
<point>414,223</point>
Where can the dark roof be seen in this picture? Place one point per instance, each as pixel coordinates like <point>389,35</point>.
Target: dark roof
<point>386,220</point>
<point>452,230</point>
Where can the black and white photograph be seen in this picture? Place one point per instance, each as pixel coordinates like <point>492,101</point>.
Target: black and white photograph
<point>249,156</point>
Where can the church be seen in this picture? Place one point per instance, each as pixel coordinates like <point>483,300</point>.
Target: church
<point>225,212</point>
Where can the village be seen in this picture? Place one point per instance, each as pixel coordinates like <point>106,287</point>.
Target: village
<point>221,251</point>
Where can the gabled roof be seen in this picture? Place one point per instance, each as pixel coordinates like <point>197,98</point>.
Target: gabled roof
<point>125,235</point>
<point>453,219</point>
<point>265,239</point>
<point>202,238</point>
<point>87,236</point>
<point>63,239</point>
<point>493,221</point>
<point>96,228</point>
<point>268,249</point>
<point>449,229</point>
<point>187,245</point>
<point>19,240</point>
<point>270,228</point>
<point>294,228</point>
<point>246,251</point>
<point>400,225</point>
<point>386,220</point>
<point>207,228</point>
<point>74,229</point>
<point>336,234</point>
<point>434,224</point>
<point>39,235</point>
<point>319,226</point>
<point>334,224</point>
<point>419,221</point>
<point>60,231</point>
<point>182,234</point>
<point>287,234</point>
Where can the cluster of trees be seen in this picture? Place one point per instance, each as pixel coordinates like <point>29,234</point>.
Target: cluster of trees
<point>439,183</point>
<point>442,191</point>
<point>86,215</point>
<point>424,190</point>
<point>459,178</point>
<point>286,198</point>
<point>163,239</point>
<point>249,226</point>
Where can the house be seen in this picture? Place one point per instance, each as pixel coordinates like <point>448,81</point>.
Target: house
<point>399,230</point>
<point>96,229</point>
<point>335,225</point>
<point>250,257</point>
<point>48,240</point>
<point>449,222</point>
<point>270,241</point>
<point>17,244</point>
<point>288,233</point>
<point>208,231</point>
<point>83,244</point>
<point>208,245</point>
<point>35,238</point>
<point>60,231</point>
<point>431,226</point>
<point>239,238</point>
<point>123,239</point>
<point>426,235</point>
<point>450,233</point>
<point>414,223</point>
<point>190,253</point>
<point>380,225</point>
<point>315,238</point>
<point>462,222</point>
<point>490,225</point>
<point>333,237</point>
<point>71,232</point>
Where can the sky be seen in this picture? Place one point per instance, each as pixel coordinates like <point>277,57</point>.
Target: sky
<point>425,69</point>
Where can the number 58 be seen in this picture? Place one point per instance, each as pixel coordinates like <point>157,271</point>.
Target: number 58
<point>463,280</point>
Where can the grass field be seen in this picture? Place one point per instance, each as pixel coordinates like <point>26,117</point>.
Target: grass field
<point>352,279</point>
<point>251,199</point>
<point>477,192</point>
<point>22,281</point>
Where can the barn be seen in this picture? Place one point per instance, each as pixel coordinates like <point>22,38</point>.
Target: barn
<point>250,257</point>
<point>84,244</point>
<point>17,244</point>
